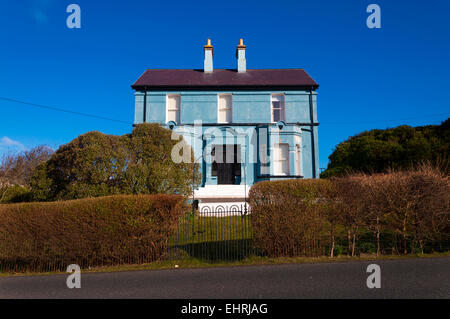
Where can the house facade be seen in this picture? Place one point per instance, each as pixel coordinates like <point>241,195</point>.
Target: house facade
<point>244,125</point>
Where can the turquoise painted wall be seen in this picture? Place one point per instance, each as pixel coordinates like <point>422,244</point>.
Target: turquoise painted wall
<point>248,107</point>
<point>251,107</point>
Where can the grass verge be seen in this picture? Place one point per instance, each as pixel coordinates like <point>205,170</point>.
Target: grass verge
<point>251,261</point>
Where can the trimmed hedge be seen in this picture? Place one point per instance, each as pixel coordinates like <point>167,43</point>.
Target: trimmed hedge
<point>287,217</point>
<point>396,212</point>
<point>88,232</point>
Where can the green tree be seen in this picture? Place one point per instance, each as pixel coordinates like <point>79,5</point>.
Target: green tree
<point>95,164</point>
<point>150,169</point>
<point>376,151</point>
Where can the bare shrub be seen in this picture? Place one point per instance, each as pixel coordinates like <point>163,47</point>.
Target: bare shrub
<point>17,169</point>
<point>405,209</point>
<point>287,217</point>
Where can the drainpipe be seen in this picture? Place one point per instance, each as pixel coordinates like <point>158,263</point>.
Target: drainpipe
<point>313,147</point>
<point>145,104</point>
<point>245,183</point>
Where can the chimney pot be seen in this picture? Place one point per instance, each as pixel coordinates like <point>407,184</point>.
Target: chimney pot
<point>208,62</point>
<point>240,54</point>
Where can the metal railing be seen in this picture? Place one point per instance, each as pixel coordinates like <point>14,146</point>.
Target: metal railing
<point>214,235</point>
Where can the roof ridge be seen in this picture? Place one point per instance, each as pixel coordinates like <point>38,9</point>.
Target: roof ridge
<point>228,69</point>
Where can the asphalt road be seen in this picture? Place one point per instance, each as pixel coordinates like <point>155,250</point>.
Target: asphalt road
<point>402,278</point>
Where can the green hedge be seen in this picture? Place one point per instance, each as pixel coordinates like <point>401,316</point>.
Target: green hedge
<point>88,232</point>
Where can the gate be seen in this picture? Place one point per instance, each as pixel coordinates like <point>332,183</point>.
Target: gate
<point>213,234</point>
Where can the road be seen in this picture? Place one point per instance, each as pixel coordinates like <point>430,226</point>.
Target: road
<point>401,278</point>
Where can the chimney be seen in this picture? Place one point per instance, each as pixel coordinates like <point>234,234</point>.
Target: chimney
<point>240,55</point>
<point>208,63</point>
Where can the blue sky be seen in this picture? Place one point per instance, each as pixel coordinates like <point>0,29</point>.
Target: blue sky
<point>369,78</point>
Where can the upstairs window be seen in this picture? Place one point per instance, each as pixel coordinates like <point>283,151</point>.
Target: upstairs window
<point>225,108</point>
<point>173,108</point>
<point>281,159</point>
<point>278,108</point>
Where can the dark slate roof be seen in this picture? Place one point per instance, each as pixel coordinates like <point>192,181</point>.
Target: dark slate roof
<point>224,78</point>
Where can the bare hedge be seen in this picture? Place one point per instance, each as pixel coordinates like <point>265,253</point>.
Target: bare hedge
<point>395,212</point>
<point>88,232</point>
<point>287,217</point>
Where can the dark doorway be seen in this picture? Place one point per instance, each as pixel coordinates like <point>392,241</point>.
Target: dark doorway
<point>226,163</point>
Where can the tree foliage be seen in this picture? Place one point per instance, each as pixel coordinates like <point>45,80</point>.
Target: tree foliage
<point>376,151</point>
<point>96,164</point>
<point>16,171</point>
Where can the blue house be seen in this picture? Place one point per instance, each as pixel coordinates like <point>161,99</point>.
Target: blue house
<point>245,125</point>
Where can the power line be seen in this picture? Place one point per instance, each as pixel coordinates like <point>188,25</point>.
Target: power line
<point>58,109</point>
<point>384,121</point>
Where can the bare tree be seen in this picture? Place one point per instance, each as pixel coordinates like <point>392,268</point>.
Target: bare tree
<point>17,169</point>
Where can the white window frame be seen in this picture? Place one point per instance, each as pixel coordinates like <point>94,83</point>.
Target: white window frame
<point>282,107</point>
<point>227,109</point>
<point>298,159</point>
<point>177,116</point>
<point>278,160</point>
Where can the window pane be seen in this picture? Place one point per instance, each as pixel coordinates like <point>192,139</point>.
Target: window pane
<point>228,115</point>
<point>281,159</point>
<point>278,108</point>
<point>228,101</point>
<point>173,115</point>
<point>276,115</point>
<point>225,106</point>
<point>174,102</point>
<point>225,100</point>
<point>284,158</point>
<point>229,153</point>
<point>219,154</point>
<point>170,103</point>
<point>222,116</point>
<point>221,101</point>
<point>173,108</point>
<point>285,167</point>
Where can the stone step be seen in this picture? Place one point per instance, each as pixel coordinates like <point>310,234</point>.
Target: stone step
<point>222,192</point>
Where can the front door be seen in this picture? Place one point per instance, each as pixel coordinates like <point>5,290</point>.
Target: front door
<point>225,173</point>
<point>227,162</point>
